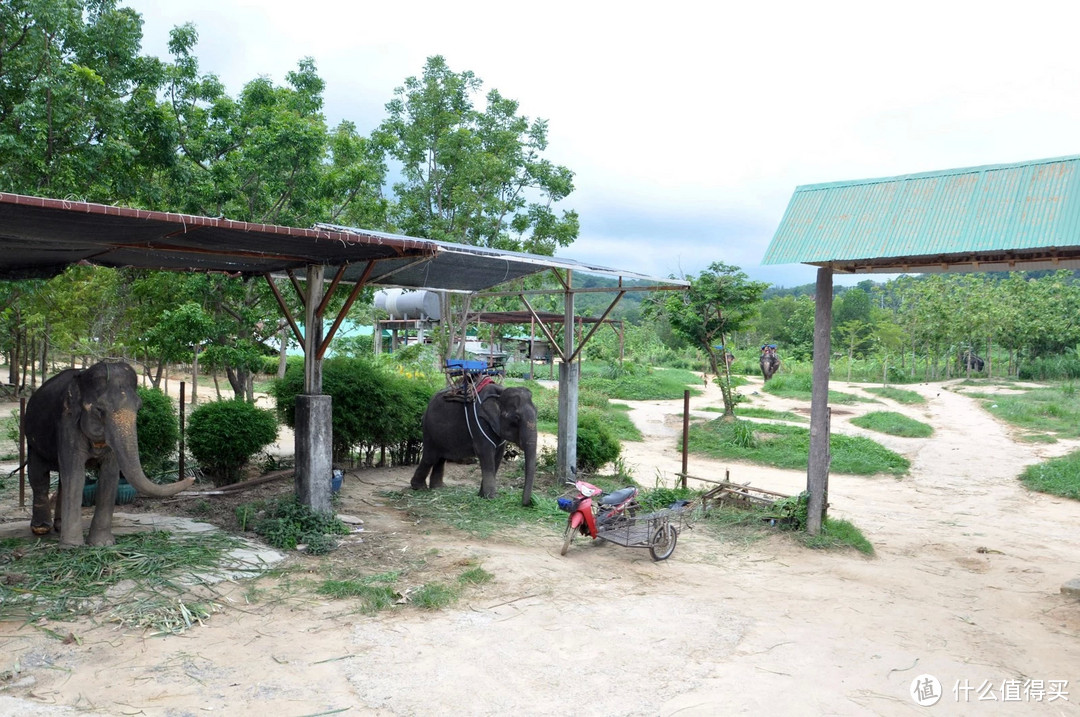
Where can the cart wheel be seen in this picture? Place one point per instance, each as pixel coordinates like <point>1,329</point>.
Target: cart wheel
<point>663,544</point>
<point>571,531</point>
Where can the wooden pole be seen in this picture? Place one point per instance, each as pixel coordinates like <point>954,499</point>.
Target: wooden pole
<point>685,434</point>
<point>817,473</point>
<point>180,461</point>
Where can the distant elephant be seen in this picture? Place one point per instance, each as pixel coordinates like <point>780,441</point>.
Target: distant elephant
<point>76,417</point>
<point>770,362</point>
<point>971,362</point>
<point>456,430</point>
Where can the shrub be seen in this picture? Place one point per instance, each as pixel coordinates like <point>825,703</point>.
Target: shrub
<point>372,407</point>
<point>596,444</point>
<point>224,435</point>
<point>157,426</point>
<point>285,523</point>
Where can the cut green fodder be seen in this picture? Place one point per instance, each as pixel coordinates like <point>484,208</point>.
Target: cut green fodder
<point>41,580</point>
<point>1058,476</point>
<point>893,424</point>
<point>784,446</point>
<point>900,395</point>
<point>286,523</point>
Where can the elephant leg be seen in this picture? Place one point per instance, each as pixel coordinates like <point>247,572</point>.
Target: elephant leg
<point>419,478</point>
<point>107,485</point>
<point>41,518</point>
<point>69,500</point>
<point>488,467</point>
<point>437,473</point>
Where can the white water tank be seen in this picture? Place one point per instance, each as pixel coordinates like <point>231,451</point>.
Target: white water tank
<point>409,305</point>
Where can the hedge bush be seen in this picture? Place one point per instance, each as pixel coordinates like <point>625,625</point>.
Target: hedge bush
<point>224,435</point>
<point>373,408</point>
<point>157,426</point>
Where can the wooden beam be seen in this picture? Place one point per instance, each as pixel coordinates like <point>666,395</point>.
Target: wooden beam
<point>357,288</point>
<point>285,309</point>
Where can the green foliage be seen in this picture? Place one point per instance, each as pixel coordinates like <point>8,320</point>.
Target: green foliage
<point>750,412</point>
<point>786,446</point>
<point>434,596</point>
<point>285,523</point>
<point>373,406</point>
<point>790,513</point>
<point>372,594</point>
<point>1058,476</point>
<point>596,443</point>
<point>660,497</point>
<point>158,428</point>
<point>894,424</point>
<point>224,435</point>
<point>470,176</point>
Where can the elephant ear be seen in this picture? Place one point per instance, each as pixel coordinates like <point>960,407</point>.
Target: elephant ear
<point>491,406</point>
<point>83,397</point>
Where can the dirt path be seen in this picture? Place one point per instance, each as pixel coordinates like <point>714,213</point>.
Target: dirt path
<point>965,587</point>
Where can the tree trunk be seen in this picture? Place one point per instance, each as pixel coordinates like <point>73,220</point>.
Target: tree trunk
<point>283,358</point>
<point>195,377</point>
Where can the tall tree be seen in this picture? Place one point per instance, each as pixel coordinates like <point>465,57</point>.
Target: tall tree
<point>720,300</point>
<point>471,176</point>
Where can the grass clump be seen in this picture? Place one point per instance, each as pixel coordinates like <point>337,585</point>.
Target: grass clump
<point>43,580</point>
<point>799,385</point>
<point>1058,476</point>
<point>839,534</point>
<point>285,523</point>
<point>380,592</point>
<point>893,424</point>
<point>1047,410</point>
<point>749,412</point>
<point>900,395</point>
<point>638,384</point>
<point>785,446</point>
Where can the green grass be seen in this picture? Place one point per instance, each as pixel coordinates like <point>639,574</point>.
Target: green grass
<point>1044,410</point>
<point>894,424</point>
<point>838,534</point>
<point>616,415</point>
<point>765,413</point>
<point>1058,476</point>
<point>45,581</point>
<point>799,385</point>
<point>374,593</point>
<point>786,446</point>
<point>899,395</point>
<point>652,385</point>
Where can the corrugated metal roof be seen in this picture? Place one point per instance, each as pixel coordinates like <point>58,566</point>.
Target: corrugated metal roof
<point>39,236</point>
<point>1007,216</point>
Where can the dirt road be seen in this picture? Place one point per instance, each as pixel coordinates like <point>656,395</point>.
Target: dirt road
<point>965,588</point>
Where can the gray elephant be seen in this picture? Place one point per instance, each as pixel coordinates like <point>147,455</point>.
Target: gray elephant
<point>457,428</point>
<point>77,417</point>
<point>770,362</point>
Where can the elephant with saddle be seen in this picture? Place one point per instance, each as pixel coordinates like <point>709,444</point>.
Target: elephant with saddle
<point>80,417</point>
<point>770,362</point>
<point>470,421</point>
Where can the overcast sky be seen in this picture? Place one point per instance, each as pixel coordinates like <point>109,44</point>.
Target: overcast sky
<point>689,124</point>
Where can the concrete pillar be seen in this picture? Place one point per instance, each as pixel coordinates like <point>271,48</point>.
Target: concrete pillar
<point>569,371</point>
<point>314,452</point>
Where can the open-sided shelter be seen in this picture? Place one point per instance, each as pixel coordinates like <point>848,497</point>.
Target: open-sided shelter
<point>39,237</point>
<point>1002,217</point>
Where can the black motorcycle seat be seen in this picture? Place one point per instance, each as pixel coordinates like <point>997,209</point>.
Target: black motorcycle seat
<point>618,496</point>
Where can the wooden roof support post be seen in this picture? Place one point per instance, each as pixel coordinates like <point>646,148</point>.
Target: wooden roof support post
<point>569,371</point>
<point>817,472</point>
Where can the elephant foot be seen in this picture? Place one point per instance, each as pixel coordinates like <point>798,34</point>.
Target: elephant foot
<point>488,495</point>
<point>418,486</point>
<point>102,539</point>
<point>41,529</point>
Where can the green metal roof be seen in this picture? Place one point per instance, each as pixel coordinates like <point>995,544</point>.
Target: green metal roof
<point>991,218</point>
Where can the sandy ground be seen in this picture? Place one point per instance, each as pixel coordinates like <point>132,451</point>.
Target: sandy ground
<point>965,588</point>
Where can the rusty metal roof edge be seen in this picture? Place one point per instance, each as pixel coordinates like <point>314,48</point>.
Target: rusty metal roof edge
<point>195,220</point>
<point>935,173</point>
<point>541,261</point>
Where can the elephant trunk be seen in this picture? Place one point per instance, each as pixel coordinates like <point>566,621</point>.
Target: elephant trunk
<point>528,445</point>
<point>121,436</point>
